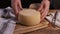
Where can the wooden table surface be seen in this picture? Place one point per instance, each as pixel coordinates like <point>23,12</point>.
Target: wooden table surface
<point>47,30</point>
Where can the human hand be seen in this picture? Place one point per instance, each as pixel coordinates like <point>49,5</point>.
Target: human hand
<point>44,8</point>
<point>16,5</point>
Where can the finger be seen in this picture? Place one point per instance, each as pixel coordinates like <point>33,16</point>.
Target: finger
<point>19,8</point>
<point>20,5</point>
<point>44,15</point>
<point>15,8</point>
<point>46,10</point>
<point>41,7</point>
<point>42,10</point>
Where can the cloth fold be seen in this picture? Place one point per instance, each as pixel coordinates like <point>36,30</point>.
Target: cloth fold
<point>7,25</point>
<point>50,17</point>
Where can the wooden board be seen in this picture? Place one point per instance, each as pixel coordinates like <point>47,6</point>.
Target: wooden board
<point>24,29</point>
<point>49,30</point>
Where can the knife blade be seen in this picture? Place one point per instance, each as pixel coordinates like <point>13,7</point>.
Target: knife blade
<point>54,19</point>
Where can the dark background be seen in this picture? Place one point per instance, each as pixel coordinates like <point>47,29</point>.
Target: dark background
<point>5,3</point>
<point>55,4</point>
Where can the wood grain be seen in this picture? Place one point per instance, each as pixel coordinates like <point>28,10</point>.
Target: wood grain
<point>24,29</point>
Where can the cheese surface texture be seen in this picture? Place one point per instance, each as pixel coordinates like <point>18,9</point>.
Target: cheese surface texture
<point>29,17</point>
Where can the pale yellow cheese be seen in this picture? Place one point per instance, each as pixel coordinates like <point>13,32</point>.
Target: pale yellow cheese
<point>29,17</point>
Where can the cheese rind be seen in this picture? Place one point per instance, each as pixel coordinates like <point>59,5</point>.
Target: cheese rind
<point>29,17</point>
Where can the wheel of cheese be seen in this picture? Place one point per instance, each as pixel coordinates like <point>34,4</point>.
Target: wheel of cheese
<point>29,17</point>
<point>34,6</point>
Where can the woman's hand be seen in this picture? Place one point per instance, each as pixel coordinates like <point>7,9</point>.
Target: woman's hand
<point>44,8</point>
<point>16,5</point>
